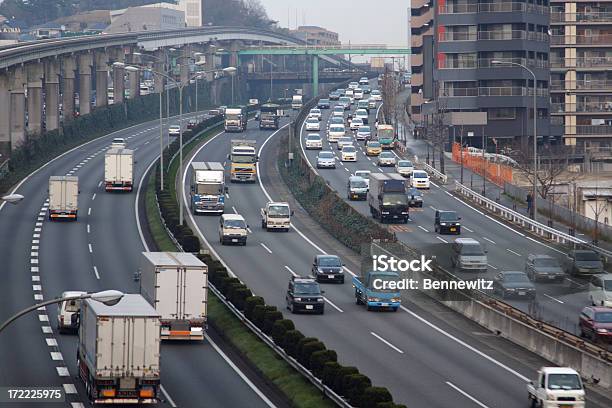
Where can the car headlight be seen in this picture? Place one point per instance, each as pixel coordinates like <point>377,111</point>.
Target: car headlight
<point>458,224</point>
<point>602,330</point>
<point>580,397</point>
<point>510,289</point>
<point>443,224</point>
<point>385,212</point>
<point>297,299</point>
<point>373,299</point>
<point>320,299</point>
<point>396,299</point>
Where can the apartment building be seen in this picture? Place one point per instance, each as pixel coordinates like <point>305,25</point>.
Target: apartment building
<point>421,25</point>
<point>581,73</point>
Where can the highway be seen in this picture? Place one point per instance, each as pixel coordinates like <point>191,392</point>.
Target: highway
<point>426,355</point>
<point>99,251</point>
<point>508,248</point>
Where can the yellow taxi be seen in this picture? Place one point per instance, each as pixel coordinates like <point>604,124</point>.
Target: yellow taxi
<point>373,148</point>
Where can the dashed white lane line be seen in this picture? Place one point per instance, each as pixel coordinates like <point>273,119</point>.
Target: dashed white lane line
<point>43,318</point>
<point>88,229</point>
<point>47,329</point>
<point>89,211</point>
<point>265,247</point>
<point>56,356</point>
<point>555,299</point>
<point>234,209</point>
<point>513,252</point>
<point>37,288</point>
<point>490,240</point>
<point>35,236</point>
<point>100,184</point>
<point>35,241</point>
<point>386,342</point>
<point>465,394</point>
<point>95,268</point>
<point>62,371</point>
<point>35,278</point>
<point>34,269</point>
<point>51,342</point>
<point>90,248</point>
<point>70,389</point>
<point>37,229</point>
<point>292,273</point>
<point>34,261</point>
<point>93,197</point>
<point>423,228</point>
<point>491,266</point>
<point>33,254</point>
<point>38,297</point>
<point>333,305</point>
<point>347,170</point>
<point>467,229</point>
<point>442,239</point>
<point>35,247</point>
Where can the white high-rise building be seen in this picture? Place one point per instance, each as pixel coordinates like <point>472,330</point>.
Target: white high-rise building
<point>193,12</point>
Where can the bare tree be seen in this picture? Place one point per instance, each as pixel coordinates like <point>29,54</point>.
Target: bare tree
<point>437,129</point>
<point>598,207</point>
<point>389,91</point>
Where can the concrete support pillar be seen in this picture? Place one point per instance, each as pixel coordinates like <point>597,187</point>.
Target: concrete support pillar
<point>118,84</point>
<point>160,66</point>
<point>101,78</point>
<point>134,84</point>
<point>51,94</point>
<point>68,85</point>
<point>85,64</point>
<point>186,54</point>
<point>35,106</point>
<point>17,110</point>
<point>5,128</point>
<point>315,75</point>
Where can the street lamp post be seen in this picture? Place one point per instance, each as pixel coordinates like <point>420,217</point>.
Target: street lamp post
<point>108,297</point>
<point>535,132</point>
<point>232,72</point>
<point>12,198</point>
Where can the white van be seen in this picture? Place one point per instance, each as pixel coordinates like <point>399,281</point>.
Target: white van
<point>68,313</point>
<point>600,290</point>
<point>335,133</point>
<point>233,229</point>
<point>419,179</point>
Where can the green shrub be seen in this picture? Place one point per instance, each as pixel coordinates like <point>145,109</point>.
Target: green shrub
<point>269,319</point>
<point>389,405</point>
<point>279,329</point>
<point>239,297</point>
<point>343,372</point>
<point>258,314</point>
<point>330,372</point>
<point>306,352</point>
<point>372,397</point>
<point>291,340</point>
<point>354,386</point>
<point>250,303</point>
<point>318,359</point>
<point>190,243</point>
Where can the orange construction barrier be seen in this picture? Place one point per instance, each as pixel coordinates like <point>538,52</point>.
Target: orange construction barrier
<point>496,173</point>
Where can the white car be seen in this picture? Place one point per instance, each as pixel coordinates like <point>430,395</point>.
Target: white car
<point>350,93</point>
<point>313,124</point>
<point>174,130</point>
<point>344,141</point>
<point>363,115</point>
<point>353,85</point>
<point>67,315</point>
<point>356,123</point>
<point>365,174</point>
<point>326,160</point>
<point>364,81</point>
<point>358,94</point>
<point>371,103</point>
<point>335,132</point>
<point>386,159</point>
<point>315,113</point>
<point>313,141</point>
<point>363,133</point>
<point>419,179</point>
<point>404,167</point>
<point>376,95</point>
<point>600,290</point>
<point>349,153</point>
<point>118,143</point>
<point>338,114</point>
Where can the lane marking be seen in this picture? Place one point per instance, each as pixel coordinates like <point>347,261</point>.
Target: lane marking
<point>467,229</point>
<point>70,389</point>
<point>56,356</point>
<point>62,371</point>
<point>93,197</point>
<point>90,248</point>
<point>34,269</point>
<point>555,299</point>
<point>442,239</point>
<point>43,318</point>
<point>490,240</point>
<point>89,211</point>
<point>88,229</point>
<point>47,329</point>
<point>513,252</point>
<point>434,184</point>
<point>265,247</point>
<point>95,268</point>
<point>424,229</point>
<point>35,278</point>
<point>465,394</point>
<point>100,184</point>
<point>36,288</point>
<point>491,266</point>
<point>333,305</point>
<point>292,273</point>
<point>447,193</point>
<point>38,296</point>
<point>235,211</point>
<point>386,342</point>
<point>51,342</point>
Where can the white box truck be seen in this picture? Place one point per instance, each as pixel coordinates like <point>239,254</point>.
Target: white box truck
<point>119,350</point>
<point>176,284</point>
<point>63,197</point>
<point>119,169</point>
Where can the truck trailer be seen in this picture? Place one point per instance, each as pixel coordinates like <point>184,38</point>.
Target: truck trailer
<point>119,170</point>
<point>387,197</point>
<point>269,116</point>
<point>63,197</point>
<point>236,119</point>
<point>243,157</point>
<point>118,352</point>
<point>207,187</point>
<point>176,284</point>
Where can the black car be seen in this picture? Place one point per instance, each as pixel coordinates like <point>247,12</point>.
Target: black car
<point>514,284</point>
<point>447,221</point>
<point>192,123</point>
<point>305,295</point>
<point>323,104</point>
<point>327,268</point>
<point>416,197</point>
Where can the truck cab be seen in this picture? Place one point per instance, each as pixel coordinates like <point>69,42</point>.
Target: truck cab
<point>296,102</point>
<point>556,387</point>
<point>276,216</point>
<point>269,116</point>
<point>68,312</point>
<point>244,160</point>
<point>370,291</point>
<point>232,229</point>
<point>387,197</point>
<point>208,189</point>
<point>236,119</point>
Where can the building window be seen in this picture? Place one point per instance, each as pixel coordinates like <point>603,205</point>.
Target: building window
<point>501,113</point>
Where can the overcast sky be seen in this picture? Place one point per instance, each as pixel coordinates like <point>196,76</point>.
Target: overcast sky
<point>360,21</point>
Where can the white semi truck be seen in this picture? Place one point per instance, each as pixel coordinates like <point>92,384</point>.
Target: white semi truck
<point>176,284</point>
<point>119,351</point>
<point>63,197</point>
<point>119,169</point>
<point>207,187</point>
<point>297,102</point>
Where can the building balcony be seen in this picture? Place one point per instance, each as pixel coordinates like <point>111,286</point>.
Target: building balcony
<point>581,107</point>
<point>581,85</point>
<point>582,62</point>
<point>492,91</point>
<point>569,40</point>
<point>510,7</point>
<point>581,17</point>
<point>495,35</point>
<point>419,21</point>
<point>589,130</point>
<point>487,63</point>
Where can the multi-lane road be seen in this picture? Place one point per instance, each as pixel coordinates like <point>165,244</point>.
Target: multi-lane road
<point>426,355</point>
<point>41,259</point>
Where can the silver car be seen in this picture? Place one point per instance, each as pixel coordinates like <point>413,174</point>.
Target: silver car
<point>363,133</point>
<point>386,159</point>
<point>326,160</point>
<point>468,255</point>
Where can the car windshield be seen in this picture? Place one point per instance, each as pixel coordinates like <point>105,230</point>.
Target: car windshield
<point>546,262</point>
<point>386,155</point>
<point>336,129</point>
<point>326,155</point>
<point>394,199</point>
<point>314,137</point>
<point>375,92</point>
<point>72,306</point>
<point>330,261</point>
<point>337,121</point>
<point>357,121</point>
<point>119,141</point>
<point>373,144</point>
<point>324,101</point>
<point>348,149</point>
<point>210,189</point>
<point>234,224</point>
<point>472,250</point>
<point>361,112</point>
<point>364,129</point>
<point>587,256</point>
<point>312,120</point>
<point>516,277</point>
<point>448,216</point>
<point>564,382</point>
<point>345,99</point>
<point>278,211</point>
<point>307,289</point>
<point>419,174</point>
<point>359,184</point>
<point>365,174</point>
<point>404,163</point>
<point>603,317</point>
<point>174,127</point>
<point>315,111</point>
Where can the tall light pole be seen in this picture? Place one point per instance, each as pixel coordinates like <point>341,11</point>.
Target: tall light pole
<point>108,297</point>
<point>232,72</point>
<point>534,199</point>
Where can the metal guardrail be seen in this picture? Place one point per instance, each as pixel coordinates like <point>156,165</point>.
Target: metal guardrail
<point>534,226</point>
